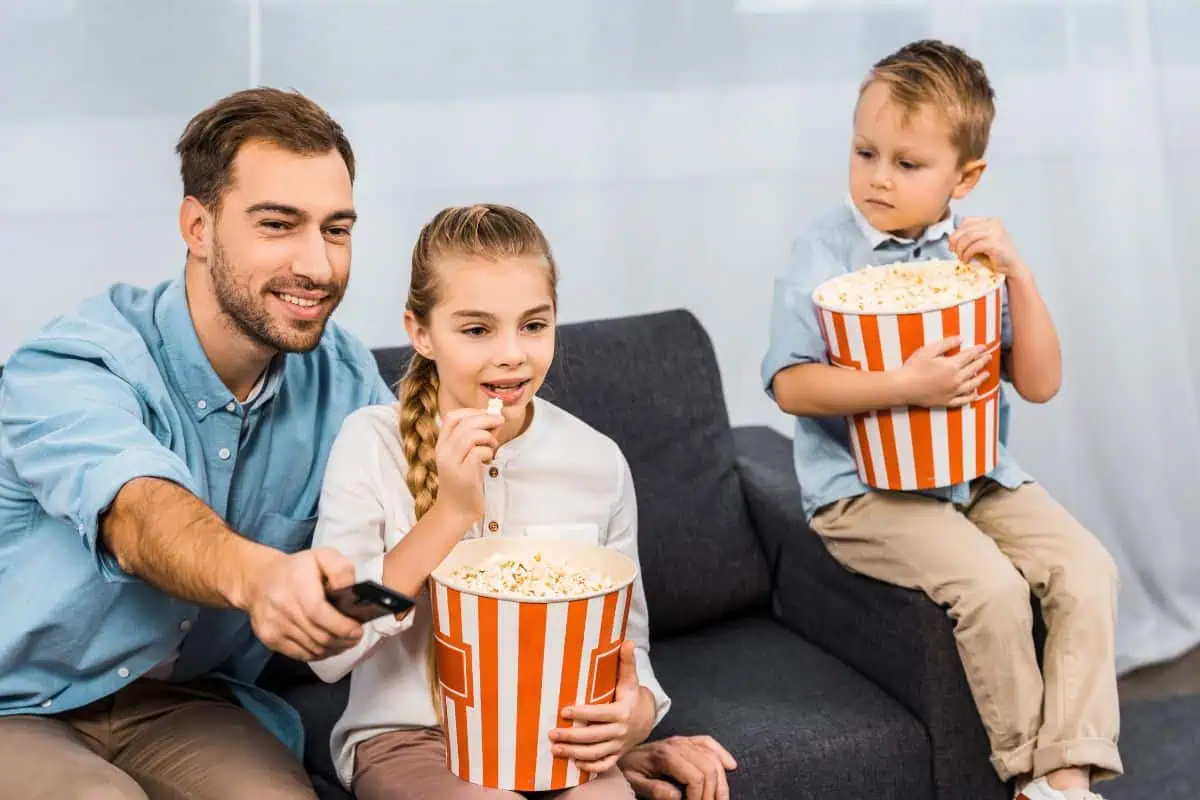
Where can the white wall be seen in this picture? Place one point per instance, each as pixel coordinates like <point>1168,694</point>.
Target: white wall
<point>670,149</point>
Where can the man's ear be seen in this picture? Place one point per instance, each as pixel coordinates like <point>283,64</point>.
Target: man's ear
<point>195,225</point>
<point>418,335</point>
<point>969,175</point>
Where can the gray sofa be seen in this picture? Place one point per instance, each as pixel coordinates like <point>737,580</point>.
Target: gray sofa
<point>821,683</point>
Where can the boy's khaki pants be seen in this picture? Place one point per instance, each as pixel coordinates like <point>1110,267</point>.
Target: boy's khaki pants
<point>980,562</point>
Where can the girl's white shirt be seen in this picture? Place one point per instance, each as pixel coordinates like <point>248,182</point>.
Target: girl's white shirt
<point>560,477</point>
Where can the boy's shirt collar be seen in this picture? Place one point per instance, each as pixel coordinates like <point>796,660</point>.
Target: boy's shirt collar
<point>876,237</point>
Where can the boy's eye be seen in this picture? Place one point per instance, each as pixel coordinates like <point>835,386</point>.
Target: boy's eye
<point>905,164</point>
<point>275,225</point>
<point>865,153</point>
<point>338,233</point>
<point>475,330</point>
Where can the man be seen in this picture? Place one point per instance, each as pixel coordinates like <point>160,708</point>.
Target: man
<point>161,455</point>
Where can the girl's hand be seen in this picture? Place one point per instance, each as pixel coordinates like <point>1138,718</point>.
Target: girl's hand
<point>612,729</point>
<point>465,443</point>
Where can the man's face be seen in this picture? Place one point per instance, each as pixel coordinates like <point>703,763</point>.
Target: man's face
<point>280,250</point>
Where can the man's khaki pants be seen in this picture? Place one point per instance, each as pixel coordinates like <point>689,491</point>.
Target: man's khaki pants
<point>980,562</point>
<point>150,740</point>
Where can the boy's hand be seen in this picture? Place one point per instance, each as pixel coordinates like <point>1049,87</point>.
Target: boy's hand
<point>979,236</point>
<point>612,729</point>
<point>932,379</point>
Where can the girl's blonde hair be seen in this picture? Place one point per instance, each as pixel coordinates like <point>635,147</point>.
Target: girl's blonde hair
<point>489,232</point>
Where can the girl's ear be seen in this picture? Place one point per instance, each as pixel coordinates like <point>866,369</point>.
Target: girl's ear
<point>418,335</point>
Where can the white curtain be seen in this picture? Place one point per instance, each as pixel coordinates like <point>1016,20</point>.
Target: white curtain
<point>670,149</point>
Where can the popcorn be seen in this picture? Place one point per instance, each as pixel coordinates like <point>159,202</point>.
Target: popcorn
<point>906,287</point>
<point>532,577</point>
<point>495,406</point>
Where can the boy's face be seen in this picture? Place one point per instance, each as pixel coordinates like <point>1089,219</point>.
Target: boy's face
<point>904,171</point>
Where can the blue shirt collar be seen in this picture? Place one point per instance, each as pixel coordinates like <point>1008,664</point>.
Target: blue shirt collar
<point>189,368</point>
<point>876,238</point>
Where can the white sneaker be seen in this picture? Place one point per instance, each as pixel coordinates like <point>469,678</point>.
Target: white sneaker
<point>1041,790</point>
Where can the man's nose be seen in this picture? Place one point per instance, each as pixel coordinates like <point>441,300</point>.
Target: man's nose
<point>312,259</point>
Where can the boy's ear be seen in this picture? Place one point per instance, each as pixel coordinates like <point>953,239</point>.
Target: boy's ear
<point>969,175</point>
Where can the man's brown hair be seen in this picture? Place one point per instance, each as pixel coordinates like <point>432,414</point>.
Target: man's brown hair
<point>933,73</point>
<point>212,139</point>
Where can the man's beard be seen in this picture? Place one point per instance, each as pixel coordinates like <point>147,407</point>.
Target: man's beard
<point>250,316</point>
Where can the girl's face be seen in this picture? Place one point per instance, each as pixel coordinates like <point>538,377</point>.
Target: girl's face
<point>491,334</point>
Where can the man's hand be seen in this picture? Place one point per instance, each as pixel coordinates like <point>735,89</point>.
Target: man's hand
<point>699,763</point>
<point>611,729</point>
<point>288,608</point>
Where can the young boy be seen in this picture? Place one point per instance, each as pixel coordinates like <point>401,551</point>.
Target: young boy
<point>920,132</point>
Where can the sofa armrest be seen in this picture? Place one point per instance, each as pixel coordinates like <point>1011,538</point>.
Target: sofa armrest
<point>898,639</point>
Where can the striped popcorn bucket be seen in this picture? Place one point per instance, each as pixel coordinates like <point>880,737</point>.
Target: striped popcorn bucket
<point>508,665</point>
<point>919,448</point>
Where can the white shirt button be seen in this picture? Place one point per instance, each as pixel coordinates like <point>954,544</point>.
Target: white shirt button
<point>47,704</point>
<point>223,453</point>
<point>123,672</point>
<point>202,404</point>
<point>185,626</point>
<point>231,407</point>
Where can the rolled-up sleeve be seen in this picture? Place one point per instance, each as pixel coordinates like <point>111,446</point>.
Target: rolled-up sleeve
<point>622,536</point>
<point>76,433</point>
<point>351,520</point>
<point>795,332</point>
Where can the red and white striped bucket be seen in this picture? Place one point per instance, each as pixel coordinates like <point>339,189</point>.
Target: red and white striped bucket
<point>508,665</point>
<point>910,447</point>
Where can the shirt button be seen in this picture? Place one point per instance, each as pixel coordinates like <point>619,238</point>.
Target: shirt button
<point>231,407</point>
<point>123,672</point>
<point>494,472</point>
<point>202,404</point>
<point>47,704</point>
<point>223,453</point>
<point>493,526</point>
<point>185,626</point>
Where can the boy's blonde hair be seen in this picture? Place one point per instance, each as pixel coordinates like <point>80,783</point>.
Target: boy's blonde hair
<point>942,76</point>
<point>489,232</point>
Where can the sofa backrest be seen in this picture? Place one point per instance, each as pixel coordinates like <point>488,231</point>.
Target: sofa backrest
<point>651,383</point>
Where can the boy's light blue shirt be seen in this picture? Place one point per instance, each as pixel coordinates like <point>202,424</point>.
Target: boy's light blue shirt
<point>118,389</point>
<point>839,242</point>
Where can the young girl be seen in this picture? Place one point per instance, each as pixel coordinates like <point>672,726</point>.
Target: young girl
<point>405,483</point>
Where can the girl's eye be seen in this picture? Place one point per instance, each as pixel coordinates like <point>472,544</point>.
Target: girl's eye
<point>475,330</point>
<point>536,327</point>
<point>908,165</point>
<point>865,154</point>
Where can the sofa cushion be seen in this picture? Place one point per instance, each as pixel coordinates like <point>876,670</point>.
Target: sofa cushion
<point>651,383</point>
<point>799,722</point>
